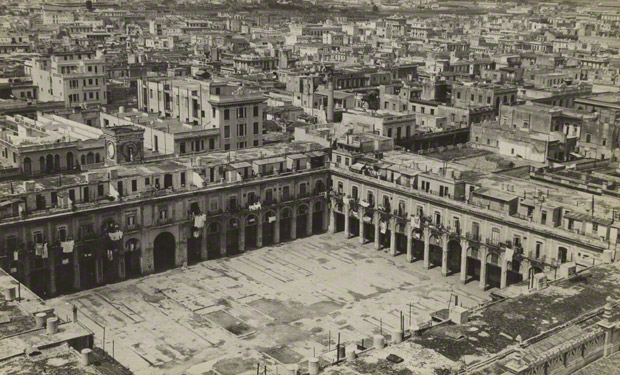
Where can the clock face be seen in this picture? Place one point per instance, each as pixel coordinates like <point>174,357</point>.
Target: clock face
<point>111,150</point>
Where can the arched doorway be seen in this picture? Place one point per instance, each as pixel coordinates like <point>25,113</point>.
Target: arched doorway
<point>339,217</point>
<point>317,217</point>
<point>494,270</point>
<point>473,264</point>
<point>232,237</point>
<point>369,226</point>
<point>354,222</point>
<point>49,163</point>
<point>435,251</point>
<point>64,271</point>
<point>132,258</point>
<point>194,244</point>
<point>285,224</point>
<point>417,246</point>
<point>514,273</point>
<point>69,158</point>
<point>27,166</point>
<point>302,221</point>
<point>401,238</point>
<point>214,240</point>
<point>251,232</point>
<point>269,225</point>
<point>384,233</point>
<point>164,252</point>
<point>454,256</point>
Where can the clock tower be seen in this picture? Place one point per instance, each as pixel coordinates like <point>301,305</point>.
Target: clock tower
<point>123,144</point>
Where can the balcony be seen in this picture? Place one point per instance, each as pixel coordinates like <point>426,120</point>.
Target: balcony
<point>89,236</point>
<point>492,242</point>
<point>132,228</point>
<point>473,237</point>
<point>164,221</point>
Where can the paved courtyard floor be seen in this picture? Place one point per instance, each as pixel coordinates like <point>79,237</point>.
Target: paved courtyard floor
<point>274,306</point>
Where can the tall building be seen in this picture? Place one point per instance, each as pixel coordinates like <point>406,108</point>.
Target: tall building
<point>77,78</point>
<point>235,111</point>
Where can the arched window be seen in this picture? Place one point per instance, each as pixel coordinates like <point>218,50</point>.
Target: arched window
<point>97,158</point>
<point>83,159</point>
<point>90,158</point>
<point>49,162</point>
<point>41,164</point>
<point>27,166</point>
<point>57,162</point>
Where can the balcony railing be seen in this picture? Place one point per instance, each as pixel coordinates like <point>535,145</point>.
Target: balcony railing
<point>474,210</point>
<point>164,221</point>
<point>473,237</point>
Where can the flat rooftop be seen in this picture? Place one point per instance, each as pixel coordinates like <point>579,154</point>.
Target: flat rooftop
<point>492,329</point>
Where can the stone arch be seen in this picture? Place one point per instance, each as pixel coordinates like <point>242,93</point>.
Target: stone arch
<point>164,252</point>
<point>49,163</point>
<point>318,206</point>
<point>251,219</point>
<point>132,244</point>
<point>302,209</point>
<point>214,227</point>
<point>286,212</point>
<point>57,162</point>
<point>233,223</point>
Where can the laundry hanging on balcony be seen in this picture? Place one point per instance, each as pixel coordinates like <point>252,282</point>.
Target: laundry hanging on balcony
<point>345,200</point>
<point>113,192</point>
<point>383,226</point>
<point>197,180</point>
<point>67,246</point>
<point>40,248</point>
<point>199,221</point>
<point>271,219</point>
<point>415,222</point>
<point>255,206</point>
<point>15,256</point>
<point>116,236</point>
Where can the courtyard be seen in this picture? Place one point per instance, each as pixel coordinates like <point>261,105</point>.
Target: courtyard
<point>274,306</point>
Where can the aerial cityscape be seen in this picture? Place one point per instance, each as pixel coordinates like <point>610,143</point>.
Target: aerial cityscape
<point>339,187</point>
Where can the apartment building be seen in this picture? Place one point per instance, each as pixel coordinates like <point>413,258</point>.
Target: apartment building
<point>77,78</point>
<point>234,110</point>
<point>430,211</point>
<point>134,215</point>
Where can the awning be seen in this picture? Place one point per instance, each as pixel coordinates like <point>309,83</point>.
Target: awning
<point>357,167</point>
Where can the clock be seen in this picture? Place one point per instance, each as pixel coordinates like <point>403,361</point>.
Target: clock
<point>111,151</point>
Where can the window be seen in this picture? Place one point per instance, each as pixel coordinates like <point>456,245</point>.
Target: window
<point>594,227</point>
<point>543,217</point>
<point>354,192</point>
<point>226,114</point>
<point>255,111</point>
<point>163,213</point>
<point>62,233</point>
<point>226,131</point>
<point>457,224</point>
<point>538,249</point>
<point>100,190</point>
<point>241,112</point>
<point>588,137</point>
<point>241,130</point>
<point>255,143</point>
<point>147,181</point>
<point>604,141</point>
<point>130,220</point>
<point>340,187</point>
<point>134,185</point>
<point>437,218</point>
<point>37,237</point>
<point>256,130</point>
<point>182,147</point>
<point>182,178</point>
